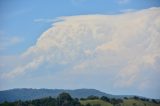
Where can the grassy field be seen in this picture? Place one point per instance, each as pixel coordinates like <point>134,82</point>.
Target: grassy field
<point>129,102</point>
<point>95,102</point>
<point>132,102</point>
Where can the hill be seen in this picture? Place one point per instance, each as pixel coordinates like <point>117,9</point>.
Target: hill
<point>30,94</point>
<point>95,102</point>
<point>65,99</point>
<point>128,102</point>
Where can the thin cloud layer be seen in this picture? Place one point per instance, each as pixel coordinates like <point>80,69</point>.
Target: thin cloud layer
<point>123,1</point>
<point>121,48</point>
<point>6,42</point>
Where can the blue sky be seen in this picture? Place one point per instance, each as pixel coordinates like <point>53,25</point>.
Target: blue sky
<point>22,23</point>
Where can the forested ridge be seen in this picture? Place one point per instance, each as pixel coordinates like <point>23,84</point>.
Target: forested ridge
<point>64,99</point>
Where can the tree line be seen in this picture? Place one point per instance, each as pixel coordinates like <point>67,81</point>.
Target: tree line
<point>64,99</point>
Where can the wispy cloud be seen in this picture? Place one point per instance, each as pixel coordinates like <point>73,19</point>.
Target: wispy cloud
<point>7,41</point>
<point>42,20</point>
<point>22,69</point>
<point>123,1</point>
<point>79,2</point>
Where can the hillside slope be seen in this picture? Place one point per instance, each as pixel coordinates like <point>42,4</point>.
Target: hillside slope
<point>129,102</point>
<point>30,94</point>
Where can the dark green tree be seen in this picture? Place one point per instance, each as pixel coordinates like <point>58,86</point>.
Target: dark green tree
<point>92,97</point>
<point>104,98</point>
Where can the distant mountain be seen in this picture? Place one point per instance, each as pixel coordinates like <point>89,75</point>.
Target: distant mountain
<point>30,94</point>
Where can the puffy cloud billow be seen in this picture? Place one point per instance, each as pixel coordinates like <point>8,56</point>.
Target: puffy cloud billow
<point>120,48</point>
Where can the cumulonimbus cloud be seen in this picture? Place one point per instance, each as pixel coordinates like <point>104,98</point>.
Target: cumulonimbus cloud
<point>97,44</point>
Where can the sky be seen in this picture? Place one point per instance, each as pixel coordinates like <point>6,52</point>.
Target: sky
<point>108,45</point>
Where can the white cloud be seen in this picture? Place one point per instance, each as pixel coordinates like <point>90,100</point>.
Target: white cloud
<point>123,1</point>
<point>6,41</point>
<point>76,2</point>
<point>20,70</point>
<point>118,45</point>
<point>42,20</point>
<point>15,40</point>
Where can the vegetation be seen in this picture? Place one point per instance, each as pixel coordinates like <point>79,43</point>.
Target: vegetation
<point>64,99</point>
<point>96,102</point>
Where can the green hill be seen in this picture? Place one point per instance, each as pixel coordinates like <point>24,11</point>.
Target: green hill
<point>95,102</point>
<point>133,102</point>
<point>129,102</point>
